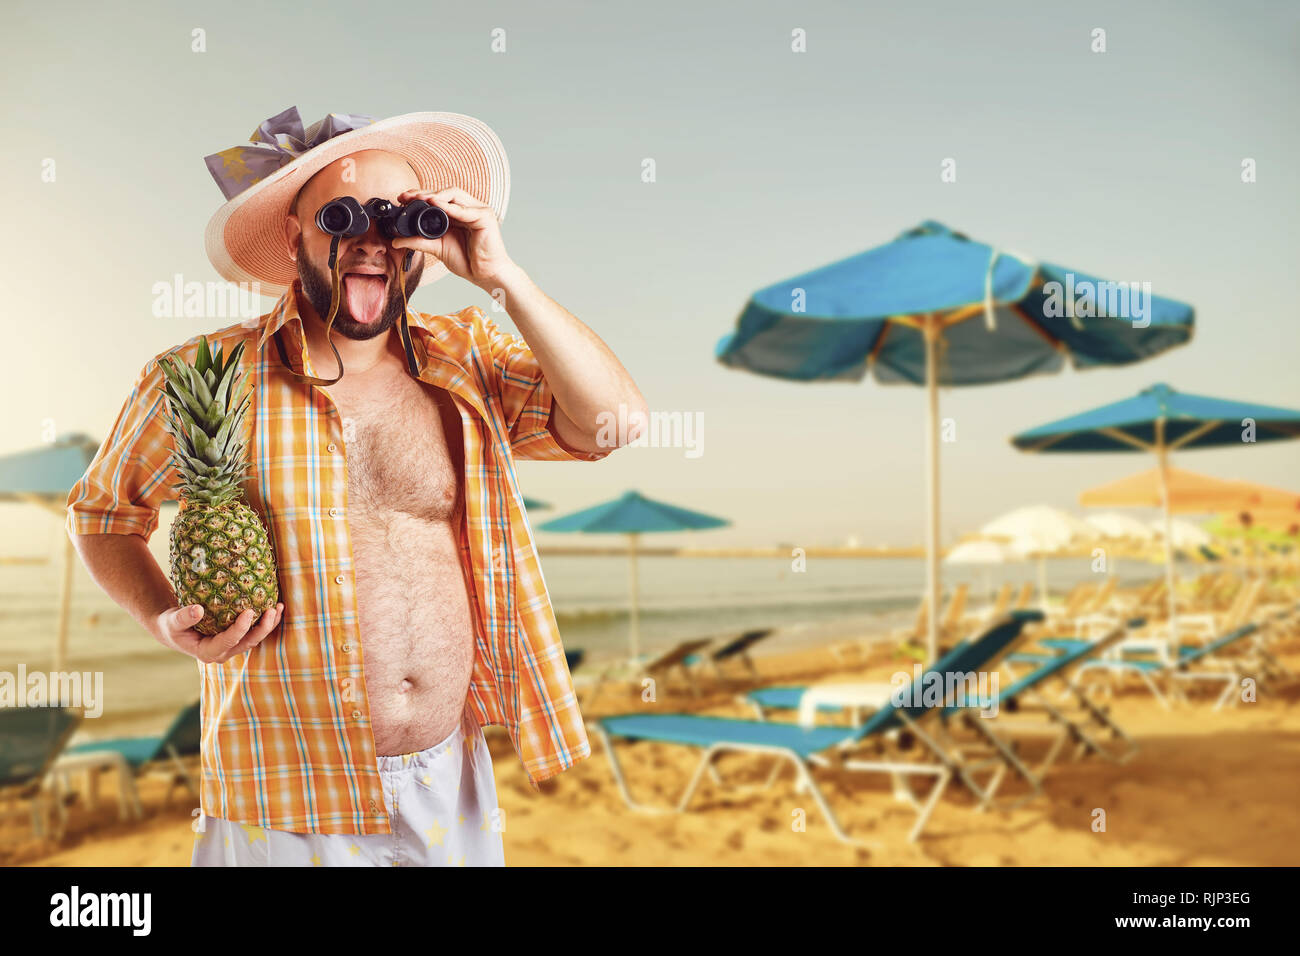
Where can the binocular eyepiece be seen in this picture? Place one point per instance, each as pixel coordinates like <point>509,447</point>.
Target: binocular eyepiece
<point>347,217</point>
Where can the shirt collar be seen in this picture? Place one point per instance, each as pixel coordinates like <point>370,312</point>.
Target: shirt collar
<point>437,365</point>
<point>285,312</point>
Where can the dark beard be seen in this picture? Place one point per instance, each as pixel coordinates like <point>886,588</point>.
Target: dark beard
<point>316,286</point>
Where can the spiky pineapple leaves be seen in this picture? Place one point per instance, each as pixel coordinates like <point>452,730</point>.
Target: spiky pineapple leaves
<point>207,433</point>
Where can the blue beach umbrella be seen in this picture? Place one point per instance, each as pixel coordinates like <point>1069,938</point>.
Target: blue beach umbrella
<point>632,514</point>
<point>936,308</point>
<point>43,477</point>
<point>1160,420</point>
<point>532,504</point>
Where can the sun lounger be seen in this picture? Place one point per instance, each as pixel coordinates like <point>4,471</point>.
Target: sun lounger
<point>1026,691</point>
<point>154,754</point>
<point>678,660</point>
<point>993,610</point>
<point>1149,604</point>
<point>1239,612</point>
<point>1212,662</point>
<point>835,747</point>
<point>737,650</point>
<point>843,650</point>
<point>1215,590</point>
<point>30,740</point>
<point>914,636</point>
<point>1073,603</point>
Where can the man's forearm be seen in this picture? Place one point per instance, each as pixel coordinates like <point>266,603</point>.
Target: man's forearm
<point>585,377</point>
<point>124,567</point>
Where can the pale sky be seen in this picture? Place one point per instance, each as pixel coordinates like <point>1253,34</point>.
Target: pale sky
<point>1124,164</point>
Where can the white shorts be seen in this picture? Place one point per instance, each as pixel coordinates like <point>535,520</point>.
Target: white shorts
<point>442,808</point>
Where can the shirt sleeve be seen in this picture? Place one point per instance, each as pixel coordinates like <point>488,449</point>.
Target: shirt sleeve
<point>131,475</point>
<point>526,400</point>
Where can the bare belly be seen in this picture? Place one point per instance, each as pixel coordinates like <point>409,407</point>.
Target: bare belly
<point>417,633</point>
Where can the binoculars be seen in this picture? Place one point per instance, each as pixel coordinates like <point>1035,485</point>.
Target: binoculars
<point>347,217</point>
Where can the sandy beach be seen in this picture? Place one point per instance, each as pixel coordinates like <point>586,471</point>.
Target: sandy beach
<point>1207,788</point>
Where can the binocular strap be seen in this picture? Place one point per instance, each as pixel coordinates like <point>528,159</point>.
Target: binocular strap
<point>335,290</point>
<point>335,283</point>
<point>403,329</point>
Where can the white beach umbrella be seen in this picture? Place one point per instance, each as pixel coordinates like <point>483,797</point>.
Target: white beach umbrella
<point>1112,524</point>
<point>985,552</point>
<point>1039,531</point>
<point>1183,534</point>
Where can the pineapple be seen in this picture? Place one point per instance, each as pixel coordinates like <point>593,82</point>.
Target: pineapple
<point>221,555</point>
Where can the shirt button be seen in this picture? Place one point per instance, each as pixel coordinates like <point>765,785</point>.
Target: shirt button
<point>331,447</point>
<point>373,806</point>
<point>338,579</point>
<point>347,648</point>
<point>356,715</point>
<point>334,512</point>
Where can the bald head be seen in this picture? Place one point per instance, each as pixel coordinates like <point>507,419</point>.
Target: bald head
<point>363,176</point>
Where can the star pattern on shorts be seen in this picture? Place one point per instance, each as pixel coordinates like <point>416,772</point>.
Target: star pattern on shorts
<point>435,834</point>
<point>353,850</point>
<point>315,859</point>
<point>452,861</point>
<point>254,834</point>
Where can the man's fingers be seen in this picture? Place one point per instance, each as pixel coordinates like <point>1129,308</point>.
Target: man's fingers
<point>248,630</point>
<point>451,193</point>
<point>182,618</point>
<point>214,648</point>
<point>270,618</point>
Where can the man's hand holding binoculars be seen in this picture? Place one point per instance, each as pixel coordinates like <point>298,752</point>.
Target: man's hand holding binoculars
<point>475,251</point>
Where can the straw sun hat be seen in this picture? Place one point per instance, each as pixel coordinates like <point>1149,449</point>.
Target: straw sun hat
<point>245,238</point>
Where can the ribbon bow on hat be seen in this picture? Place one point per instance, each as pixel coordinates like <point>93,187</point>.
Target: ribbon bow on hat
<point>277,142</point>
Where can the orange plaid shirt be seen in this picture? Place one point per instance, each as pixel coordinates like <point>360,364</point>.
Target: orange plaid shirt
<point>287,742</point>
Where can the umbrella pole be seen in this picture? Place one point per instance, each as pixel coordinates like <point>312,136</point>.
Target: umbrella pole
<point>930,331</point>
<point>633,636</point>
<point>1042,581</point>
<point>1163,455</point>
<point>65,606</point>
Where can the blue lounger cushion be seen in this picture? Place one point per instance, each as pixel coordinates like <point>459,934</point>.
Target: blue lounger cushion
<point>136,750</point>
<point>700,731</point>
<point>785,698</point>
<point>183,736</point>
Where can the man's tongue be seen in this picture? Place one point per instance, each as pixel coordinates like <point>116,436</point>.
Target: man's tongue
<point>365,296</point>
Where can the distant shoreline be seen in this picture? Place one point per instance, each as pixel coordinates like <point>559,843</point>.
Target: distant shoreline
<point>784,551</point>
<point>780,551</point>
